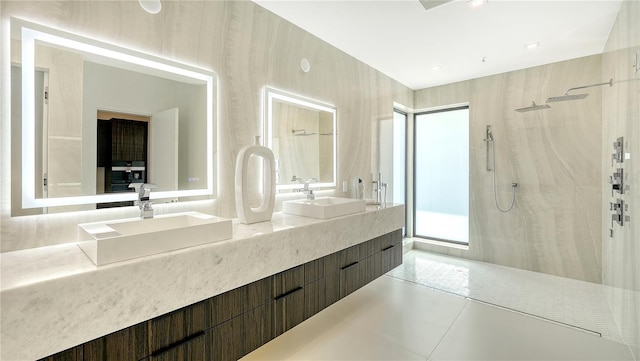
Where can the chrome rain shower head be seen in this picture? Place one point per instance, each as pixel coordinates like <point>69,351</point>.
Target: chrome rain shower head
<point>533,106</point>
<point>430,4</point>
<point>568,97</point>
<point>301,133</point>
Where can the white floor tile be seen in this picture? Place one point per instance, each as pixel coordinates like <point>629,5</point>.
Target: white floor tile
<point>355,328</point>
<point>348,341</point>
<point>409,315</point>
<point>484,332</point>
<point>299,338</point>
<point>393,319</point>
<point>577,303</point>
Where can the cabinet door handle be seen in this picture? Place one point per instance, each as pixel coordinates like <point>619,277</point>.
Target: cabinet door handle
<point>347,266</point>
<point>288,293</point>
<point>388,248</point>
<point>176,344</point>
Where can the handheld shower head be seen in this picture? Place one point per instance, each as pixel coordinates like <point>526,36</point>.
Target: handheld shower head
<point>489,135</point>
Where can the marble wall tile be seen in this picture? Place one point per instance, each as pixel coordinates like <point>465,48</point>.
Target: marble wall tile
<point>552,154</point>
<point>621,118</point>
<point>249,48</point>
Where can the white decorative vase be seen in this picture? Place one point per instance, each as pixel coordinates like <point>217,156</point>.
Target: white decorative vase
<point>246,214</point>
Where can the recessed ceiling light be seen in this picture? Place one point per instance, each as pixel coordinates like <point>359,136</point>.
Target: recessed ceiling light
<point>476,3</point>
<point>530,46</point>
<point>436,67</point>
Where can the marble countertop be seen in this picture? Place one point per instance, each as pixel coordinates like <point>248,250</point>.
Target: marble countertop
<point>53,298</point>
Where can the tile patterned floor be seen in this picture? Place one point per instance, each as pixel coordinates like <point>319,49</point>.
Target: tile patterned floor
<point>395,319</point>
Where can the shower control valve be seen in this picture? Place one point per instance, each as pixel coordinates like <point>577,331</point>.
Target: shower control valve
<point>614,206</point>
<point>619,208</point>
<point>618,156</point>
<point>617,181</point>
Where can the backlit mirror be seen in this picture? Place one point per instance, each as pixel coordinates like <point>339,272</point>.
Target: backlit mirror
<point>302,134</point>
<point>97,118</point>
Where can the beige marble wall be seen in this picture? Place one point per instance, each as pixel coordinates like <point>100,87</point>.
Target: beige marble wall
<point>248,47</point>
<point>553,156</point>
<point>621,118</point>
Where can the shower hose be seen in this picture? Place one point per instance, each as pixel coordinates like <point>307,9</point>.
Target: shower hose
<point>495,191</point>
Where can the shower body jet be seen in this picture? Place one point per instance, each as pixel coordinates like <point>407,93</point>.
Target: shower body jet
<point>567,96</point>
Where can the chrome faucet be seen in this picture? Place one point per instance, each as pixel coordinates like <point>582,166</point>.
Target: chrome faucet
<point>378,187</point>
<point>305,189</point>
<point>144,203</point>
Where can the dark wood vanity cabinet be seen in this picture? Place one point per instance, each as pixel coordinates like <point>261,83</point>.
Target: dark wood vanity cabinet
<point>72,354</point>
<point>288,299</point>
<point>128,344</point>
<point>192,349</point>
<point>231,325</point>
<point>258,327</point>
<point>175,328</point>
<point>226,341</point>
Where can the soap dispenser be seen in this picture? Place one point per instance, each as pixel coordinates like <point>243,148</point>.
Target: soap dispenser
<point>246,214</point>
<point>358,188</point>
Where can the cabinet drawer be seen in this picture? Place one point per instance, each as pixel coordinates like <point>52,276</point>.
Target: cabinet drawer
<point>314,297</point>
<point>177,326</point>
<point>368,248</point>
<point>383,242</point>
<point>226,341</point>
<point>396,236</point>
<point>398,253</point>
<point>391,257</point>
<point>288,311</point>
<point>191,349</point>
<point>332,288</point>
<point>367,271</point>
<point>259,293</point>
<point>128,344</point>
<point>287,281</point>
<point>349,279</point>
<point>258,326</point>
<point>375,265</point>
<point>226,306</point>
<point>337,261</point>
<point>314,270</point>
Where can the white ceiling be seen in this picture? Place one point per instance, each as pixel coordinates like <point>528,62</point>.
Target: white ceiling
<point>403,40</point>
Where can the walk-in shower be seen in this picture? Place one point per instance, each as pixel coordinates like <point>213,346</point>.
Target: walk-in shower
<point>491,166</point>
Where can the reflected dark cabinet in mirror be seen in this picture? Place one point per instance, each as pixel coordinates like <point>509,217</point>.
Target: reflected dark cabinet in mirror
<point>121,157</point>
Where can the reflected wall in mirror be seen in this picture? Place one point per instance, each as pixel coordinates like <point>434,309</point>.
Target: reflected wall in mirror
<point>302,134</point>
<point>72,89</point>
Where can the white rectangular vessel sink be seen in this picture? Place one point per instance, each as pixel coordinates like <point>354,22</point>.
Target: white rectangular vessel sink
<point>120,240</point>
<point>324,208</point>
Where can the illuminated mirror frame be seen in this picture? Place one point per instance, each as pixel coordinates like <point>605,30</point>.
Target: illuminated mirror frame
<point>271,94</point>
<point>29,33</point>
